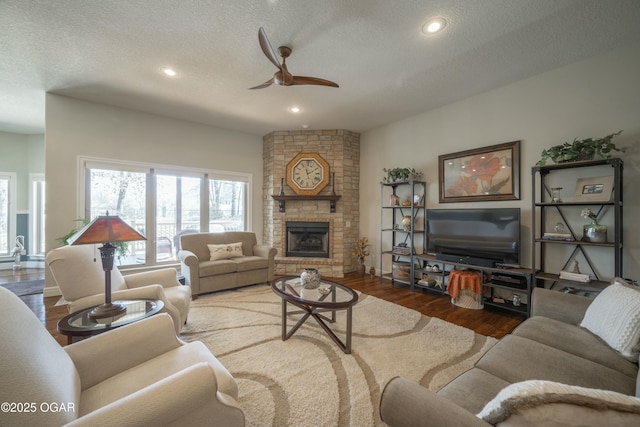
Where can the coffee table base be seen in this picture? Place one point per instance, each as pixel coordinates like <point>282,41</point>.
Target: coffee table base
<point>321,319</point>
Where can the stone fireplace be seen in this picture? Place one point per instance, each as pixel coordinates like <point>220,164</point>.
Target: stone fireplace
<point>341,150</point>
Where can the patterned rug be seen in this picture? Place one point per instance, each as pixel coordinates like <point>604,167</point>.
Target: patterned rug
<point>29,287</point>
<point>307,380</point>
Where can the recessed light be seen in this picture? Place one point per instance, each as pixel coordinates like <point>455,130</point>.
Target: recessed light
<point>434,25</point>
<point>295,109</point>
<point>305,126</point>
<point>169,72</point>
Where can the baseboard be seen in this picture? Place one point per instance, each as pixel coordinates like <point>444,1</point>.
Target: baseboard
<point>53,291</point>
<point>23,265</point>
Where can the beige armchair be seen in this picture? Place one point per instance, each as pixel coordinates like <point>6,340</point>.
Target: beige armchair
<point>254,264</point>
<point>137,375</point>
<point>80,277</point>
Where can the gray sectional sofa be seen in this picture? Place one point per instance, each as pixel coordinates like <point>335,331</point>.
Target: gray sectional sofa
<point>550,371</point>
<point>217,261</point>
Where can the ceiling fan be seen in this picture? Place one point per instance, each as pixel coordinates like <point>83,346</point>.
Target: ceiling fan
<point>283,77</point>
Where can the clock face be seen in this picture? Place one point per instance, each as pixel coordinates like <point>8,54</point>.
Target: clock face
<point>307,173</point>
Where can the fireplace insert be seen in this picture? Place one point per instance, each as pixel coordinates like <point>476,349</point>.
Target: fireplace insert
<point>307,239</point>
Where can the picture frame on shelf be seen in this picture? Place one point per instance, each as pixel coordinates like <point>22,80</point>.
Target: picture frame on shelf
<point>489,173</point>
<point>594,189</point>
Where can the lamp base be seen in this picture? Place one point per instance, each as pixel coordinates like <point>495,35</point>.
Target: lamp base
<point>108,311</point>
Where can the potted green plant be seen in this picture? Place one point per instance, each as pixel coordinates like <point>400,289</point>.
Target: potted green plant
<point>400,175</point>
<point>583,149</point>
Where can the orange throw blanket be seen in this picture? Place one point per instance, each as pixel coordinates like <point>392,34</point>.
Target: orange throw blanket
<point>464,279</point>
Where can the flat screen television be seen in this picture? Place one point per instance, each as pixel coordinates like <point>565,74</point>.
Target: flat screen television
<point>486,237</point>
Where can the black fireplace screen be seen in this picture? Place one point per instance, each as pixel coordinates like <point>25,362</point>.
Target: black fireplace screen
<point>308,239</point>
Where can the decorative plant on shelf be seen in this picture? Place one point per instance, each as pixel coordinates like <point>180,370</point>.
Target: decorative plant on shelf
<point>400,175</point>
<point>584,149</point>
<point>593,232</point>
<point>588,214</point>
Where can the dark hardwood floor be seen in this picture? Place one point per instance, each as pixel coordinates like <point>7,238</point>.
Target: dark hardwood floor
<point>490,321</point>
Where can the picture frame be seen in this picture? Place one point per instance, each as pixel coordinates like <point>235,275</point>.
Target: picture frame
<point>594,189</point>
<point>495,175</point>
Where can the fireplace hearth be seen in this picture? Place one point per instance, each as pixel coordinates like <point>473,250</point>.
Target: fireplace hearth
<point>307,239</point>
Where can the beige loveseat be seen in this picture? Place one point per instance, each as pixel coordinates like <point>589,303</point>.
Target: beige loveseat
<point>550,371</point>
<point>137,375</point>
<point>216,261</point>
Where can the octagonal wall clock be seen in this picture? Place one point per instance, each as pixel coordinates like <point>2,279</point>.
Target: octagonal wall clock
<point>307,174</point>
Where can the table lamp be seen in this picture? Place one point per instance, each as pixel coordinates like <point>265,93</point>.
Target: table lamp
<point>106,230</point>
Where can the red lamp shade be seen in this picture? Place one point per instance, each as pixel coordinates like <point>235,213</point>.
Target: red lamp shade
<point>105,229</point>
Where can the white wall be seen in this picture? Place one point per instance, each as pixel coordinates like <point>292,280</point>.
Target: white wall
<point>22,154</point>
<point>79,128</point>
<point>591,98</point>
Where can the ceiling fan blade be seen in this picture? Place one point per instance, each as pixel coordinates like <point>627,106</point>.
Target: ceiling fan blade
<point>267,49</point>
<point>283,77</point>
<point>263,85</point>
<point>302,80</point>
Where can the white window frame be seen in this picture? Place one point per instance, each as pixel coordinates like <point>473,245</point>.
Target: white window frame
<point>85,163</point>
<point>12,214</point>
<point>36,221</point>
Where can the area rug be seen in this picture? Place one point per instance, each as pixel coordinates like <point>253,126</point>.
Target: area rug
<point>307,380</point>
<point>28,287</point>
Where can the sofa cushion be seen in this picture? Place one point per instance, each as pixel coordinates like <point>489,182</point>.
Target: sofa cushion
<point>516,359</point>
<point>225,251</point>
<point>575,340</point>
<point>214,268</point>
<point>249,263</point>
<point>73,265</point>
<point>473,389</point>
<point>614,315</point>
<point>152,371</point>
<point>517,398</point>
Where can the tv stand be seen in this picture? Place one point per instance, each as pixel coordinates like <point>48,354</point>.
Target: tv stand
<point>469,260</point>
<point>499,284</point>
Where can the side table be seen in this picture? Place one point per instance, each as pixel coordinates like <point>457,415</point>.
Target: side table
<point>79,324</point>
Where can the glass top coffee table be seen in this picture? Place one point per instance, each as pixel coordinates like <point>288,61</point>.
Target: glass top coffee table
<point>81,324</point>
<point>328,298</point>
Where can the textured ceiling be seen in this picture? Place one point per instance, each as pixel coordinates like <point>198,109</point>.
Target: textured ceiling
<point>111,52</point>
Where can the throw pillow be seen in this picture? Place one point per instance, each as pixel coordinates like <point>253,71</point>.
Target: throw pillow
<point>614,316</point>
<point>519,397</point>
<point>230,250</point>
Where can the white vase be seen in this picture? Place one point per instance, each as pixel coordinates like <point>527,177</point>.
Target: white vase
<point>310,278</point>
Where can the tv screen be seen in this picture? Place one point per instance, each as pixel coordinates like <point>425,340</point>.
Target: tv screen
<point>491,234</point>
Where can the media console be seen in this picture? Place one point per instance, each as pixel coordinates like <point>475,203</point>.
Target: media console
<point>499,285</point>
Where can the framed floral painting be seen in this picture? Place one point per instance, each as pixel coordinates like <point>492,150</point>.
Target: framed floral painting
<point>480,175</point>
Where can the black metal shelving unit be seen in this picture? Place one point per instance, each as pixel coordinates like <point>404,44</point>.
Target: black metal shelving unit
<point>542,203</point>
<point>392,233</point>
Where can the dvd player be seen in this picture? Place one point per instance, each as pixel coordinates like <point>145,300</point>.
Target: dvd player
<point>508,280</point>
